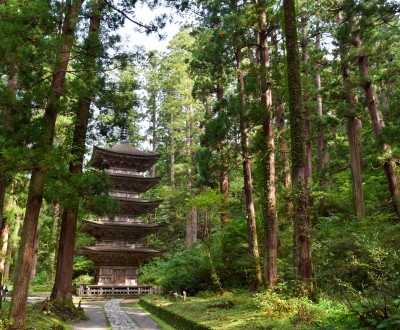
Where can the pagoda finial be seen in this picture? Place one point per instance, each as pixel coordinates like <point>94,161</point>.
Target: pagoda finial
<point>124,129</point>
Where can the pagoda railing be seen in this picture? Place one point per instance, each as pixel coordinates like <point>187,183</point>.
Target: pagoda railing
<point>127,172</point>
<point>123,194</point>
<point>91,290</point>
<point>119,218</point>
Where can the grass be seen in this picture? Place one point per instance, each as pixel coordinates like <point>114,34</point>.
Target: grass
<point>266,310</point>
<point>160,322</point>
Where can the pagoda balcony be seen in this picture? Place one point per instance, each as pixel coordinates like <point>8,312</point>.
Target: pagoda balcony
<point>120,218</point>
<point>124,194</point>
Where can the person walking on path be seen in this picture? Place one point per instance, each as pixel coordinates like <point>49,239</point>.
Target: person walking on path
<point>4,290</point>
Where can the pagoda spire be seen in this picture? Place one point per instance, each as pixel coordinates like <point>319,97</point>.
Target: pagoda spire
<point>123,135</point>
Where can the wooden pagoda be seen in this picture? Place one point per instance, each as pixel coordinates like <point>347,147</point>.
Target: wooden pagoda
<point>118,253</point>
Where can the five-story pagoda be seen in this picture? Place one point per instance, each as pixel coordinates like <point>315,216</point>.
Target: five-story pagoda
<point>118,253</point>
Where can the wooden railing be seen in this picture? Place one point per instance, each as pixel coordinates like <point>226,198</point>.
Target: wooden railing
<point>89,290</point>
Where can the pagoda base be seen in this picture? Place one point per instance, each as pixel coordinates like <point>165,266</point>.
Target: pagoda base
<point>116,275</point>
<point>109,291</point>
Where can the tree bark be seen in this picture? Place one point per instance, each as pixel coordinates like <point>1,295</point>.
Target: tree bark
<point>62,289</point>
<point>268,158</point>
<point>302,239</point>
<point>38,176</point>
<point>247,179</point>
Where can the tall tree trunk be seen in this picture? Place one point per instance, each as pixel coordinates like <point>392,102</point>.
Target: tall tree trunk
<point>11,250</point>
<point>268,158</point>
<point>5,231</point>
<point>35,253</point>
<point>389,165</point>
<point>35,193</point>
<point>55,235</point>
<point>323,154</point>
<point>223,174</point>
<point>353,126</point>
<point>248,184</point>
<point>6,127</point>
<point>172,159</point>
<point>302,239</point>
<point>191,215</point>
<point>306,98</point>
<point>154,139</point>
<point>62,289</point>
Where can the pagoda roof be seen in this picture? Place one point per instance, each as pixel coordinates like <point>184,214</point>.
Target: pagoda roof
<point>122,155</point>
<point>136,206</point>
<point>119,230</point>
<point>118,255</point>
<point>132,182</point>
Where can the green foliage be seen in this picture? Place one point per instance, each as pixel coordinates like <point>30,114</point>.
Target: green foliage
<point>178,321</point>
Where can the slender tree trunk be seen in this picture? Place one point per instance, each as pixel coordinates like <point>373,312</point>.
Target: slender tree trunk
<point>302,239</point>
<point>35,194</point>
<point>378,124</point>
<point>154,139</point>
<point>6,127</point>
<point>55,235</point>
<point>248,184</point>
<point>11,250</point>
<point>172,158</point>
<point>323,154</point>
<point>353,126</point>
<point>35,253</point>
<point>62,289</point>
<point>268,159</point>
<point>223,174</point>
<point>306,98</point>
<point>5,231</point>
<point>191,215</point>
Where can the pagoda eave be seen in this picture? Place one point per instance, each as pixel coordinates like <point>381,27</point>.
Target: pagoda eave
<point>137,206</point>
<point>112,255</point>
<point>103,158</point>
<point>135,183</point>
<point>114,230</point>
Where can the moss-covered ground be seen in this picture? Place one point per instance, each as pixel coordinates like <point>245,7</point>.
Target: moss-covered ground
<point>266,310</point>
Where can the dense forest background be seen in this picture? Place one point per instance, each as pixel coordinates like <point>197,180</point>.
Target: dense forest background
<point>279,139</point>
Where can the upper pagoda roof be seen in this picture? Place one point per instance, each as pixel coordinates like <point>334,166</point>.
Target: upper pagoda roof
<point>119,230</point>
<point>122,155</point>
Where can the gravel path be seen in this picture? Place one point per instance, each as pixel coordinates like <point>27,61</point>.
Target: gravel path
<point>119,318</point>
